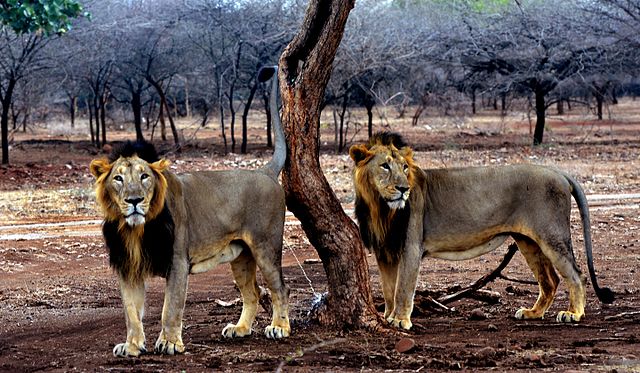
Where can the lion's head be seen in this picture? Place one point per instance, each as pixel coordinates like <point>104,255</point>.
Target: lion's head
<point>384,169</point>
<point>130,186</point>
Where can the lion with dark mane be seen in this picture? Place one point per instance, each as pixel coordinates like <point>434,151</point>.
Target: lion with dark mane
<point>157,223</point>
<point>406,213</point>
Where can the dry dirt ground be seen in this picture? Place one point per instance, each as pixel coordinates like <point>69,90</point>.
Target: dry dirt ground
<point>60,308</point>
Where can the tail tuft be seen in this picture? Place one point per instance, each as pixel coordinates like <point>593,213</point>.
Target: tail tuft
<point>606,295</point>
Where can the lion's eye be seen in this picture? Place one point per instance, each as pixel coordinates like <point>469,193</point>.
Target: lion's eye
<point>406,168</point>
<point>118,178</point>
<point>144,176</point>
<point>386,167</point>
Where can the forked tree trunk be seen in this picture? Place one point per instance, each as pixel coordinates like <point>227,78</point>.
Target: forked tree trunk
<point>305,67</point>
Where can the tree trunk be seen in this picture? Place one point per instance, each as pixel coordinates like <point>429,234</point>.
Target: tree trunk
<point>89,106</point>
<point>4,121</point>
<point>305,67</point>
<point>103,118</point>
<point>540,117</point>
<point>164,103</point>
<point>369,120</point>
<point>473,102</point>
<point>267,110</point>
<point>560,107</point>
<point>245,114</point>
<point>96,112</point>
<point>343,111</point>
<point>221,107</point>
<point>136,107</point>
<point>232,124</point>
<point>73,108</point>
<point>599,104</point>
<point>163,125</point>
<point>232,87</point>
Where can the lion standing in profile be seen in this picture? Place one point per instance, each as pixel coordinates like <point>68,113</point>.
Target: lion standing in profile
<point>158,223</point>
<point>405,213</point>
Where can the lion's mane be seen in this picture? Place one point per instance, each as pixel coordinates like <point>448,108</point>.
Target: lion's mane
<point>138,252</point>
<point>383,230</point>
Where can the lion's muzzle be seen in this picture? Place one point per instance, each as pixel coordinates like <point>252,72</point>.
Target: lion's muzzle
<point>399,198</point>
<point>135,211</point>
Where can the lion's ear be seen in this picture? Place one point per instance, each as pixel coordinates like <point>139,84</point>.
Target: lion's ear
<point>99,167</point>
<point>160,165</point>
<point>359,153</point>
<point>406,152</point>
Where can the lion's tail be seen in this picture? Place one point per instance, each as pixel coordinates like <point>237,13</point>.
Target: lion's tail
<point>605,295</point>
<point>276,163</point>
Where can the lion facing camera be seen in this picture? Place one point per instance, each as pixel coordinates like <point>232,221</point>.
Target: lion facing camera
<point>157,223</point>
<point>406,213</point>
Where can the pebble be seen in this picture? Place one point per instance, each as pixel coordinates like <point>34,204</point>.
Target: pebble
<point>477,314</point>
<point>405,345</point>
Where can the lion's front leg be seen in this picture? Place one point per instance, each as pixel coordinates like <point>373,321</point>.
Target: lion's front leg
<point>388,276</point>
<point>407,278</point>
<point>133,303</point>
<point>169,341</point>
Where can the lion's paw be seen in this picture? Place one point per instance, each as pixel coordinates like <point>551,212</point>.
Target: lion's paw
<point>233,331</point>
<point>276,332</point>
<point>128,350</point>
<point>400,323</point>
<point>567,317</point>
<point>527,314</point>
<point>168,348</point>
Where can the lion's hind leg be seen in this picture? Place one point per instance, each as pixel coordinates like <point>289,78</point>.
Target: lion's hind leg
<point>271,270</point>
<point>244,273</point>
<point>561,255</point>
<point>545,275</point>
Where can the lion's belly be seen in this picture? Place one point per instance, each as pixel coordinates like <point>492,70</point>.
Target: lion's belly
<point>455,250</point>
<point>209,259</point>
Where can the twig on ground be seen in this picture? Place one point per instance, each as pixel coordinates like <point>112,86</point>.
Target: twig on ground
<point>483,280</point>
<point>622,315</point>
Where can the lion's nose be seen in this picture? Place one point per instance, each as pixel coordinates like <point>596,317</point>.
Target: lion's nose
<point>134,201</point>
<point>402,189</point>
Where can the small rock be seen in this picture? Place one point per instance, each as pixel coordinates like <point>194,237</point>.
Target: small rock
<point>492,328</point>
<point>486,352</point>
<point>477,314</point>
<point>534,358</point>
<point>405,345</point>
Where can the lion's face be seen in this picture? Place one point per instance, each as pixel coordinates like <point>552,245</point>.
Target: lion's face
<point>130,188</point>
<point>385,169</point>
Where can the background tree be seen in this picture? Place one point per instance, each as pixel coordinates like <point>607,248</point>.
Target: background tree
<point>20,51</point>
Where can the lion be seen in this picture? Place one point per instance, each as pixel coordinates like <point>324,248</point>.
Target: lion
<point>406,213</point>
<point>158,223</point>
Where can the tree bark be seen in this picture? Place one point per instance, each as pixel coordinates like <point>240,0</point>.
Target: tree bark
<point>305,67</point>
